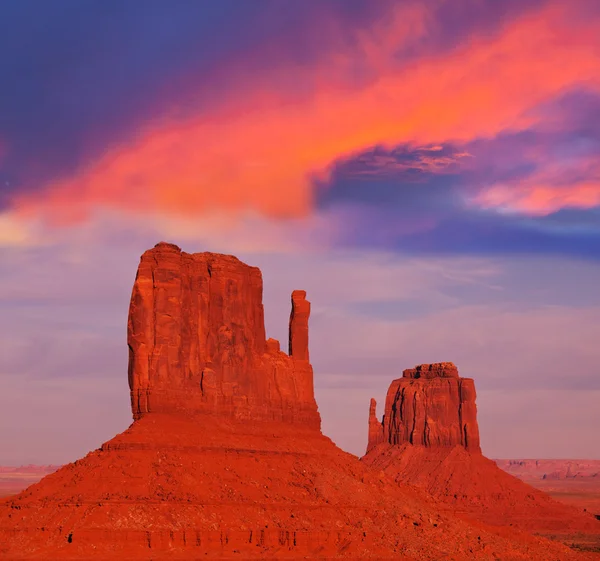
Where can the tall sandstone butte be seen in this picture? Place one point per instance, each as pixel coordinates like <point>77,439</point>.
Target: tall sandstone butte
<point>196,336</point>
<point>225,458</point>
<point>429,438</point>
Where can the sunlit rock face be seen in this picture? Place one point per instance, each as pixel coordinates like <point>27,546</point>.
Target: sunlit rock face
<point>432,406</point>
<point>196,336</point>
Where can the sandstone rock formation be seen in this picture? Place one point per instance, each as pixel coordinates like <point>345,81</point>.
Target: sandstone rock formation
<point>429,438</point>
<point>429,406</point>
<point>197,343</point>
<point>225,458</point>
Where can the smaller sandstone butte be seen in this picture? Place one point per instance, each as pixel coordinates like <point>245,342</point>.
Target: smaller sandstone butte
<point>429,406</point>
<point>429,438</point>
<point>197,344</point>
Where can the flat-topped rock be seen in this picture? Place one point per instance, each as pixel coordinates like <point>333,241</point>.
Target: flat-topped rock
<point>197,343</point>
<point>429,406</point>
<point>435,370</point>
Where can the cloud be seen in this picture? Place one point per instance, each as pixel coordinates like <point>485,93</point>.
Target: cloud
<point>529,191</point>
<point>554,164</point>
<point>263,149</point>
<point>132,65</point>
<point>540,197</point>
<point>408,162</point>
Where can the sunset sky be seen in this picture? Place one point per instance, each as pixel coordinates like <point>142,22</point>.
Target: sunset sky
<point>428,170</point>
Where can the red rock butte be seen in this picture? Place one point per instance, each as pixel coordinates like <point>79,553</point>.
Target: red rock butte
<point>429,438</point>
<point>225,458</point>
<point>429,406</point>
<point>197,344</point>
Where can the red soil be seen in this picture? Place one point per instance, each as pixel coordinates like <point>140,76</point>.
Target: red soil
<point>473,485</point>
<point>181,488</point>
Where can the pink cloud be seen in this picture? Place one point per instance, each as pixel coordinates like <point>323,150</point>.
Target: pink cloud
<point>540,199</point>
<point>261,149</point>
<point>556,186</point>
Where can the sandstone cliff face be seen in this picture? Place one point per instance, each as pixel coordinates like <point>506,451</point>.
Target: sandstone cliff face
<point>197,344</point>
<point>429,406</point>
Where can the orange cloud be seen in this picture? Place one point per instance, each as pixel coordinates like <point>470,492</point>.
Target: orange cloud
<point>260,150</point>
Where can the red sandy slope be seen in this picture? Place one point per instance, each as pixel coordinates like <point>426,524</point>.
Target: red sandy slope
<point>183,488</point>
<point>471,484</point>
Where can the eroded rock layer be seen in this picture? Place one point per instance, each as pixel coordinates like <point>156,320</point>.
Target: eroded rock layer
<point>196,335</point>
<point>429,406</point>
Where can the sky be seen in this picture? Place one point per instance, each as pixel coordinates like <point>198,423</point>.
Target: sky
<point>429,171</point>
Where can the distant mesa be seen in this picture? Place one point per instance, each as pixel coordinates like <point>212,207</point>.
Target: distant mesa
<point>575,482</point>
<point>530,470</point>
<point>225,458</point>
<point>429,438</point>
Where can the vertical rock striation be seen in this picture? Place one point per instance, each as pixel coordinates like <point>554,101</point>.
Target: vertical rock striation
<point>429,406</point>
<point>197,343</point>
